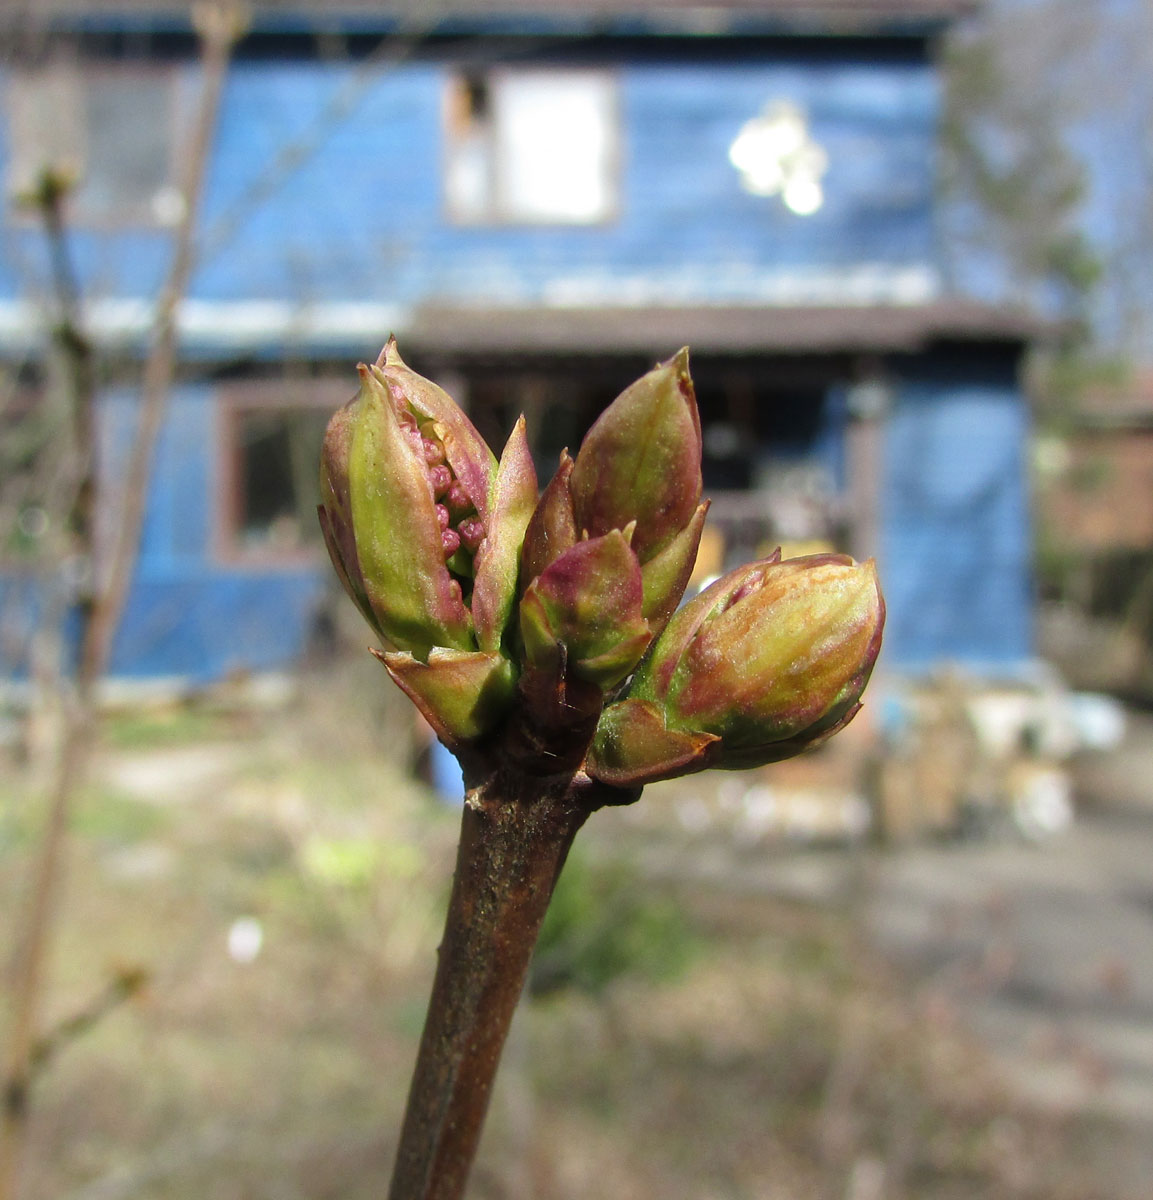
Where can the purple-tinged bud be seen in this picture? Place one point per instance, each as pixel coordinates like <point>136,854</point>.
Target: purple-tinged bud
<point>380,521</point>
<point>768,661</point>
<point>401,465</point>
<point>641,461</point>
<point>440,479</point>
<point>582,614</point>
<point>639,465</point>
<point>552,529</point>
<point>471,531</point>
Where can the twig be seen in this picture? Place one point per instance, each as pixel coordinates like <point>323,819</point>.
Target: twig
<point>122,987</point>
<point>76,351</point>
<point>515,836</point>
<point>219,25</point>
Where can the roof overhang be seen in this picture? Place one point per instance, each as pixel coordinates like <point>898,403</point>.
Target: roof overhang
<point>576,17</point>
<point>746,330</point>
<point>265,329</point>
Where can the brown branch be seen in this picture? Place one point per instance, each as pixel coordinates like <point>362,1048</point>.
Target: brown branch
<point>508,861</point>
<point>515,835</point>
<point>219,25</point>
<point>122,987</point>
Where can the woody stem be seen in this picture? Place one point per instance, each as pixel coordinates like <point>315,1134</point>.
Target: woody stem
<point>515,835</point>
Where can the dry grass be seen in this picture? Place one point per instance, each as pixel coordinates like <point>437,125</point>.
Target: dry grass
<point>781,1061</point>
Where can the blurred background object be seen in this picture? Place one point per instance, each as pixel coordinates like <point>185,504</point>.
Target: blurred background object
<point>537,206</point>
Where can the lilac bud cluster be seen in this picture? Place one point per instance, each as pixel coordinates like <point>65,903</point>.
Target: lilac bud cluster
<point>552,623</point>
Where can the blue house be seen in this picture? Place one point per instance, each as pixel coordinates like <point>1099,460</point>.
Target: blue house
<point>540,201</point>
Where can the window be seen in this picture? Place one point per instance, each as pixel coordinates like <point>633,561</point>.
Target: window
<point>272,435</point>
<point>538,147</point>
<point>113,127</point>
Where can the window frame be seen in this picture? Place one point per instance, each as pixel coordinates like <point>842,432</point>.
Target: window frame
<point>496,214</point>
<point>235,399</point>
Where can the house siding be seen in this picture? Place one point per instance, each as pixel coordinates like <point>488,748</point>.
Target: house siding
<point>955,523</point>
<point>360,216</point>
<point>192,612</point>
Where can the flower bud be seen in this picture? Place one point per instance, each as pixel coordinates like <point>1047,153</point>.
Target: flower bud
<point>424,528</point>
<point>641,461</point>
<point>640,467</point>
<point>768,661</point>
<point>582,614</point>
<point>552,529</point>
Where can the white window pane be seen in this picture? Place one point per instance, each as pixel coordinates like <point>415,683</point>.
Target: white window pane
<point>554,146</point>
<point>467,182</point>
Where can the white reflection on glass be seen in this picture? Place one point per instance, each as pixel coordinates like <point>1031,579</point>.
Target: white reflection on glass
<point>776,155</point>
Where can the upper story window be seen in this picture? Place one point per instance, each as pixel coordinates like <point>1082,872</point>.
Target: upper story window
<point>111,126</point>
<point>532,147</point>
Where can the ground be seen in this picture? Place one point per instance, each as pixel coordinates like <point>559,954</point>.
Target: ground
<point>716,1016</point>
<point>1047,950</point>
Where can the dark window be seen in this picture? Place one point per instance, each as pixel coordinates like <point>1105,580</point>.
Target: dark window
<point>279,453</point>
<point>272,435</point>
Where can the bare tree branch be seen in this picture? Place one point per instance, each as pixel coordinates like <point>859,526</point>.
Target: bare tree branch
<point>219,23</point>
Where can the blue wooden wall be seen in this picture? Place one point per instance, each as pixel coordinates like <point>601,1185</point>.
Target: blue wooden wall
<point>955,542</point>
<point>361,217</point>
<point>191,613</point>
